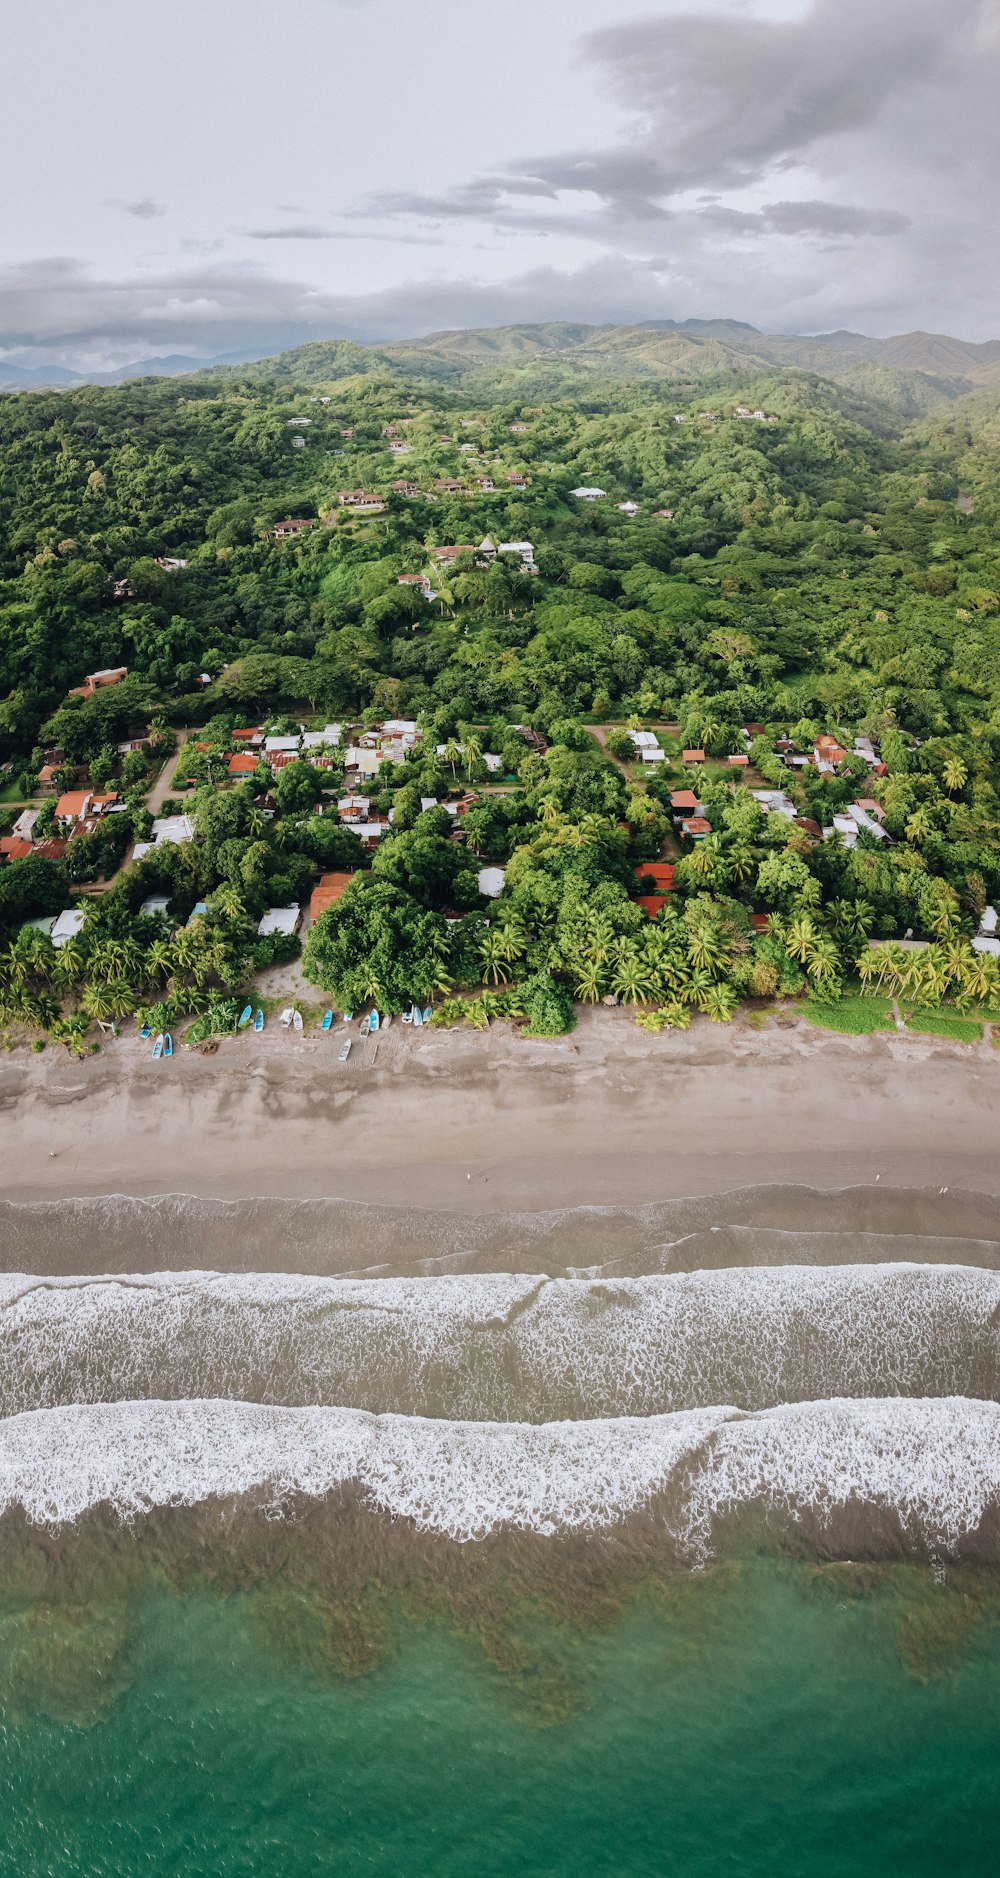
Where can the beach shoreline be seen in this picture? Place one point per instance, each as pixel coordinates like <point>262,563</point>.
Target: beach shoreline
<point>471,1124</point>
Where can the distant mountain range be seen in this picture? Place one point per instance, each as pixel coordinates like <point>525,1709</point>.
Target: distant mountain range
<point>906,375</point>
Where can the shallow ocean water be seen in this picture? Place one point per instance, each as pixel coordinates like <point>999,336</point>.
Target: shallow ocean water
<point>770,1717</point>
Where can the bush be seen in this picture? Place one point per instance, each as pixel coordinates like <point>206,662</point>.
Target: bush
<point>852,1016</point>
<point>547,1006</point>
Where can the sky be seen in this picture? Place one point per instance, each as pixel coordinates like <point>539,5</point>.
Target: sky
<point>204,177</point>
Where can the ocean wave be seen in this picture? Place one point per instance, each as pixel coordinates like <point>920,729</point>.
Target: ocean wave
<point>764,1225</point>
<point>933,1466</point>
<point>503,1348</point>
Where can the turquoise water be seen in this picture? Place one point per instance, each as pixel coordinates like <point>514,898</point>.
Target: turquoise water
<point>771,1719</point>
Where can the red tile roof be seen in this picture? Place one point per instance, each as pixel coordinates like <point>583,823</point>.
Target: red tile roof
<point>242,765</point>
<point>652,903</point>
<point>694,756</point>
<point>660,871</point>
<point>14,848</point>
<point>330,888</point>
<point>684,799</point>
<point>696,825</point>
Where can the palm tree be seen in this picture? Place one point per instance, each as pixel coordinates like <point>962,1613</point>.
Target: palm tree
<point>704,947</point>
<point>68,964</point>
<point>450,754</point>
<point>473,754</point>
<point>919,825</point>
<point>954,774</point>
<point>719,1002</point>
<point>99,1002</point>
<point>549,809</point>
<point>590,984</point>
<point>631,979</point>
<point>159,960</point>
<point>513,940</point>
<point>801,937</point>
<point>491,952</point>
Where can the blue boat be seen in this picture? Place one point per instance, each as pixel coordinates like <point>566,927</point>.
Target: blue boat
<point>327,1023</point>
<point>158,1048</point>
<point>258,1022</point>
<point>427,1014</point>
<point>145,1031</point>
<point>373,1021</point>
<point>168,1045</point>
<point>418,1016</point>
<point>245,1016</point>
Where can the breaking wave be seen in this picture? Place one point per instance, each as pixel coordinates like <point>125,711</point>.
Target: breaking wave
<point>933,1466</point>
<point>503,1348</point>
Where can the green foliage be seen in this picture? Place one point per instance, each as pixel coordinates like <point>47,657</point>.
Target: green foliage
<point>852,1016</point>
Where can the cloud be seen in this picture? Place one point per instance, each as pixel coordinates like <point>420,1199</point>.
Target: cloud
<point>300,231</point>
<point>145,209</point>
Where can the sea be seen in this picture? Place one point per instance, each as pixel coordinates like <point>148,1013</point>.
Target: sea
<point>337,1540</point>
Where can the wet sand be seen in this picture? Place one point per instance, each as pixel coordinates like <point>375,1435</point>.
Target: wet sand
<point>470,1123</point>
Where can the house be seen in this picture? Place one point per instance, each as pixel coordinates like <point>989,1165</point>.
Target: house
<point>291,421</point>
<point>493,763</point>
<point>406,489</point>
<point>67,925</point>
<point>52,849</point>
<point>695,827</point>
<point>98,681</point>
<point>352,806</point>
<point>448,486</point>
<point>446,557</point>
<point>491,880</point>
<point>329,889</point>
<point>490,551</point>
<point>828,753</point>
<point>586,494</point>
<point>518,430</point>
<point>123,590</point>
<point>170,563</point>
<point>172,828</point>
<point>278,745</point>
<point>652,904</point>
<point>361,499</point>
<point>47,778</point>
<point>693,756</point>
<point>737,762</point>
<point>76,804</point>
<point>628,508</point>
<point>684,801</point>
<point>242,765</point>
<point>664,515</point>
<point>266,805</point>
<point>485,484</point>
<point>421,581</point>
<point>400,447</point>
<point>24,827</point>
<point>515,479</point>
<point>347,433</point>
<point>254,738</point>
<point>390,430</point>
<point>298,443</point>
<point>775,802</point>
<point>155,907</point>
<point>319,739</point>
<point>292,525</point>
<point>279,919</point>
<point>14,848</point>
<point>661,872</point>
<point>761,922</point>
<point>870,807</point>
<point>405,727</point>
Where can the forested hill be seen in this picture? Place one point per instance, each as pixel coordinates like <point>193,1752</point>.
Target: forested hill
<point>755,566</point>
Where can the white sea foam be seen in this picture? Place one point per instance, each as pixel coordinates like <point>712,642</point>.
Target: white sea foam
<point>505,1348</point>
<point>936,1465</point>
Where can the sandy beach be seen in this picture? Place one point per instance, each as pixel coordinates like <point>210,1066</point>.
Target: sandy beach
<point>479,1123</point>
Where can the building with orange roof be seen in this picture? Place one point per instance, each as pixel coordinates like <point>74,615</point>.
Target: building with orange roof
<point>329,889</point>
<point>652,903</point>
<point>694,756</point>
<point>242,765</point>
<point>14,848</point>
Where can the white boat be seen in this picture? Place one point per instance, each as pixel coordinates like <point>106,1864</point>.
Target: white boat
<point>285,1020</point>
<point>297,1020</point>
<point>387,1020</point>
<point>345,1050</point>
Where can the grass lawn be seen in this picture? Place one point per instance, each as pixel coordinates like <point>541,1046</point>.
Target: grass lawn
<point>944,1024</point>
<point>853,1016</point>
<point>10,793</point>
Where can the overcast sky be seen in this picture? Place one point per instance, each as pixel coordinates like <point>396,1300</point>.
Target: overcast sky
<point>206,176</point>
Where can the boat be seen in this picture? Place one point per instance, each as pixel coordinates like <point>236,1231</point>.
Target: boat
<point>427,1014</point>
<point>408,1016</point>
<point>327,1023</point>
<point>345,1050</point>
<point>418,1016</point>
<point>168,1045</point>
<point>287,1015</point>
<point>348,1017</point>
<point>145,1031</point>
<point>365,1026</point>
<point>296,1020</point>
<point>373,1022</point>
<point>387,1020</point>
<point>158,1048</point>
<point>258,1022</point>
<point>245,1016</point>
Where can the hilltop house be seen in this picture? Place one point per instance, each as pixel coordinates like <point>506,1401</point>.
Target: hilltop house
<point>589,495</point>
<point>292,525</point>
<point>361,499</point>
<point>97,681</point>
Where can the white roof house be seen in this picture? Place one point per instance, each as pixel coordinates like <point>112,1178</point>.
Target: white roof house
<point>589,495</point>
<point>280,919</point>
<point>628,508</point>
<point>644,739</point>
<point>775,802</point>
<point>491,881</point>
<point>493,763</point>
<point>24,827</point>
<point>67,926</point>
<point>272,744</point>
<point>176,828</point>
<point>981,943</point>
<point>298,420</point>
<point>156,904</point>
<point>988,923</point>
<point>861,818</point>
<point>315,739</point>
<point>400,727</point>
